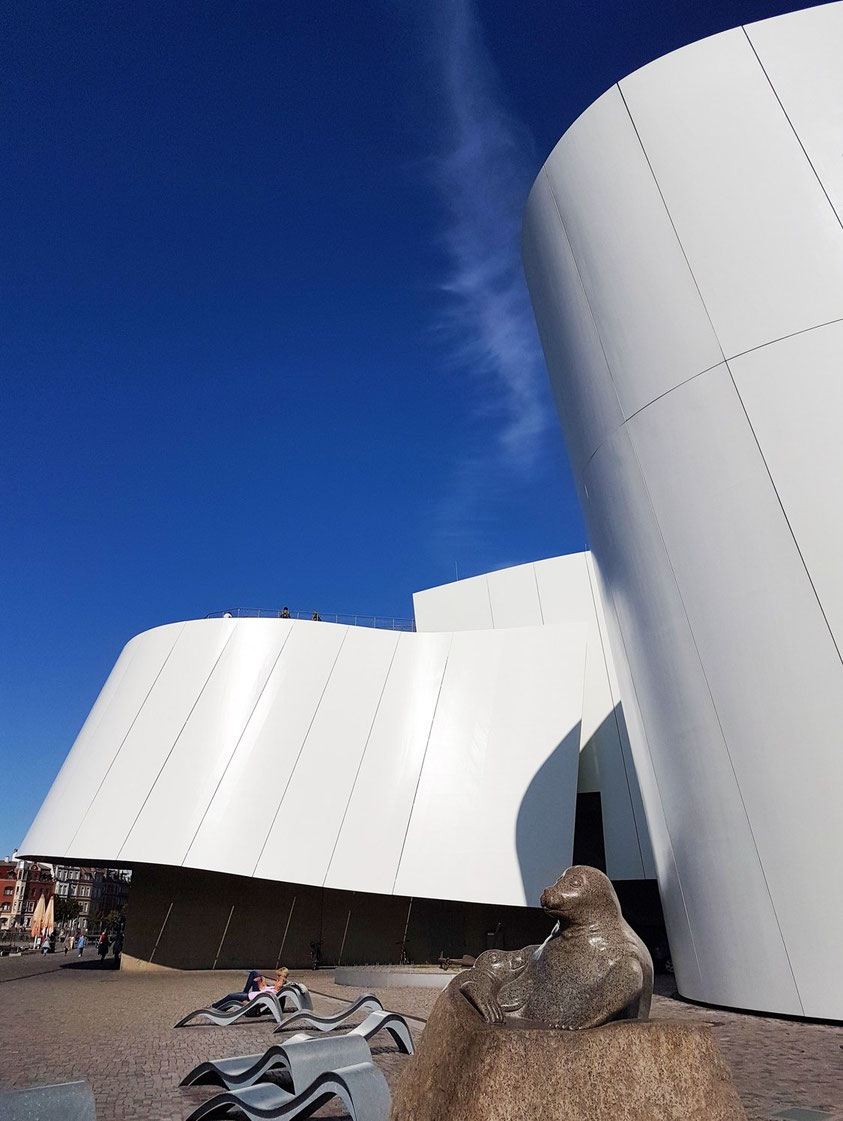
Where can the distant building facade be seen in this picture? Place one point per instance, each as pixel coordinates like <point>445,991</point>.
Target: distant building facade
<point>99,892</point>
<point>34,881</point>
<point>8,881</point>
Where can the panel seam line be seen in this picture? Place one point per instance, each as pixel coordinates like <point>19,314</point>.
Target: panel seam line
<point>591,314</point>
<point>360,764</point>
<point>175,742</point>
<point>784,513</point>
<point>123,741</point>
<point>421,767</point>
<point>708,370</point>
<point>715,711</point>
<point>236,745</point>
<point>301,749</point>
<point>792,127</point>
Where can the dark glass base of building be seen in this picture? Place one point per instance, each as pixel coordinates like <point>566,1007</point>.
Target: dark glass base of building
<point>186,919</point>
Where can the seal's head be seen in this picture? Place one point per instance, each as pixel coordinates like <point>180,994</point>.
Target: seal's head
<point>581,894</point>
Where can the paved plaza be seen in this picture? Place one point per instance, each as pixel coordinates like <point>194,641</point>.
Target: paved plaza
<point>62,1019</point>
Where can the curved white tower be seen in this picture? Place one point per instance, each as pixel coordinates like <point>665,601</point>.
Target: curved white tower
<point>684,250</point>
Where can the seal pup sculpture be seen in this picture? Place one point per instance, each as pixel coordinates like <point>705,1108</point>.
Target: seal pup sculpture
<point>593,967</point>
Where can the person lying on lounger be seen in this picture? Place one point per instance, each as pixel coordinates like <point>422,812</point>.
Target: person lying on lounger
<point>256,983</point>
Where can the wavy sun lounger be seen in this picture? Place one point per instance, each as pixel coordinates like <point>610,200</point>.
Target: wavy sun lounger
<point>328,1023</point>
<point>303,1059</point>
<point>392,1022</point>
<point>267,1000</point>
<point>304,1056</point>
<point>361,1087</point>
<point>298,996</point>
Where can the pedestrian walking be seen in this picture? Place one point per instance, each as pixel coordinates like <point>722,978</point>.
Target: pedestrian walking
<point>66,944</point>
<point>102,946</point>
<point>117,947</point>
<point>80,944</point>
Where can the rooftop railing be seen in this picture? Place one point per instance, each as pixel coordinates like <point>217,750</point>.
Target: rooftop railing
<point>380,622</point>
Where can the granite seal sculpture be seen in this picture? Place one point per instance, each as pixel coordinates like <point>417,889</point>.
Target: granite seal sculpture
<point>592,969</point>
<point>561,1031</point>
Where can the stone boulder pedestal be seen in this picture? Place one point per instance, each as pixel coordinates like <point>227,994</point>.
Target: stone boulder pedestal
<point>468,1070</point>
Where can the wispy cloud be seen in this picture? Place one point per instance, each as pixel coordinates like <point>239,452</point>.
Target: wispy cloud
<point>482,174</point>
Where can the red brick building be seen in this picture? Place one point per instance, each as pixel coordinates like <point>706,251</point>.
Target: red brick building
<point>8,880</point>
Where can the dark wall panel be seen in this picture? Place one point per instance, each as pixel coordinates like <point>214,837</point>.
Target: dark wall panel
<point>189,919</point>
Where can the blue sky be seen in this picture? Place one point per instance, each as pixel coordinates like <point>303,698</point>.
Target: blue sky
<point>265,338</point>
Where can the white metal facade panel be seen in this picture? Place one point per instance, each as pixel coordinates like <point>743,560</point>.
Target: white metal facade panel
<point>802,59</point>
<point>504,688</point>
<point>514,596</point>
<point>677,920</point>
<point>707,827</point>
<point>98,742</point>
<point>588,406</point>
<point>653,325</point>
<point>238,820</point>
<point>764,245</point>
<point>153,733</point>
<point>624,713</point>
<point>378,813</point>
<point>460,606</point>
<point>315,799</point>
<point>793,394</point>
<point>564,589</point>
<point>761,614</point>
<point>168,821</point>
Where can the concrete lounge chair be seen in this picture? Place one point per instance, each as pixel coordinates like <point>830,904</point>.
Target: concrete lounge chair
<point>361,1087</point>
<point>263,1001</point>
<point>303,989</point>
<point>303,1059</point>
<point>375,1022</point>
<point>328,1023</point>
<point>298,997</point>
<point>303,1056</point>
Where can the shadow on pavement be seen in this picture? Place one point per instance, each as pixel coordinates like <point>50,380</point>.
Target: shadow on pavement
<point>89,963</point>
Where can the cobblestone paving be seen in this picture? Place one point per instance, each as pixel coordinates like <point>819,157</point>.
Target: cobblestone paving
<point>61,1019</point>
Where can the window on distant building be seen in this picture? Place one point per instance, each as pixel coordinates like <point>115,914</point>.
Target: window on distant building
<point>8,890</point>
<point>29,905</point>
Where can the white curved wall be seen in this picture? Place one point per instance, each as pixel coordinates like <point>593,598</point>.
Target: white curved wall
<point>340,756</point>
<point>684,250</point>
<point>563,591</point>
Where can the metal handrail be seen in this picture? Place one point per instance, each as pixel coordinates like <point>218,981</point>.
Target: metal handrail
<point>379,622</point>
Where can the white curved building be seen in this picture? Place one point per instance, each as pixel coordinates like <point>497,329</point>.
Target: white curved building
<point>684,250</point>
<point>443,764</point>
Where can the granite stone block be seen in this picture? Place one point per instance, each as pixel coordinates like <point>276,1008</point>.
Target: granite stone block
<point>468,1070</point>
